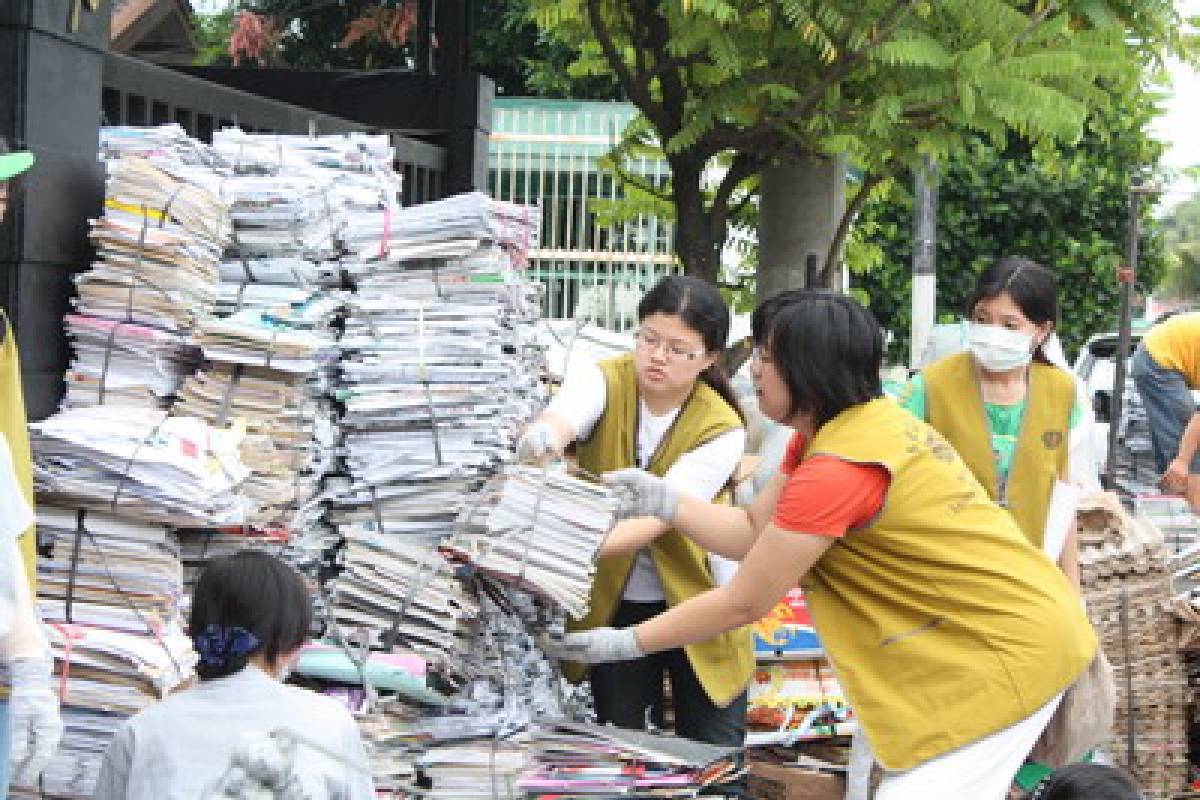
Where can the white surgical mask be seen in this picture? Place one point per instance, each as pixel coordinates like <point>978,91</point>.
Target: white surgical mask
<point>999,349</point>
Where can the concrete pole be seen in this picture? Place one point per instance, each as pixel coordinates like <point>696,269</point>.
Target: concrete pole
<point>801,204</point>
<point>924,261</point>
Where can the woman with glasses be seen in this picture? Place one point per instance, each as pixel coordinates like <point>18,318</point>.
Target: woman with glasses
<point>667,407</point>
<point>952,635</point>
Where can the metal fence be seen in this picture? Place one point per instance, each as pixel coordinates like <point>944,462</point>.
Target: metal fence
<point>136,92</point>
<point>546,152</point>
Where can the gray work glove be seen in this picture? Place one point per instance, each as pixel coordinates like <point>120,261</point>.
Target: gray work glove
<point>36,724</point>
<point>538,444</point>
<point>640,494</point>
<point>597,646</point>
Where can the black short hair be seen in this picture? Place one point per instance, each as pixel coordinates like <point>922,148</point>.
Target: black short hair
<point>827,348</point>
<point>257,592</point>
<point>1031,286</point>
<point>1087,782</point>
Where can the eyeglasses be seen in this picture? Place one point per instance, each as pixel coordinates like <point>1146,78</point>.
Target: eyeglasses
<point>649,342</point>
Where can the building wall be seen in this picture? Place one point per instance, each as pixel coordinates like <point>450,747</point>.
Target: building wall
<point>546,152</point>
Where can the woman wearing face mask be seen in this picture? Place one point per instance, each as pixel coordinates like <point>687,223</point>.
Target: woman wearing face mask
<point>1017,420</point>
<point>250,615</point>
<point>667,408</point>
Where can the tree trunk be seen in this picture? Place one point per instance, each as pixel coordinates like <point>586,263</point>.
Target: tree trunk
<point>697,248</point>
<point>801,204</point>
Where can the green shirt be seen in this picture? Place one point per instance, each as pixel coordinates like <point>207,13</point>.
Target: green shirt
<point>1004,421</point>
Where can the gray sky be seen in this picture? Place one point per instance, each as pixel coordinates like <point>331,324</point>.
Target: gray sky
<point>1179,126</point>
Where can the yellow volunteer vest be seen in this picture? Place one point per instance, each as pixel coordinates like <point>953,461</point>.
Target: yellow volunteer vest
<point>954,406</point>
<point>1175,344</point>
<point>14,427</point>
<point>724,664</point>
<point>944,624</point>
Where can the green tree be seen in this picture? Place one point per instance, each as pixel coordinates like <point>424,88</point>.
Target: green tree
<point>1181,232</point>
<point>736,84</point>
<point>1066,208</point>
<point>212,32</point>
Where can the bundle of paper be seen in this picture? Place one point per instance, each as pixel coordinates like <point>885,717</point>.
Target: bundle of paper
<point>485,769</point>
<point>285,270</point>
<point>105,677</point>
<point>273,153</point>
<point>581,758</point>
<point>107,571</point>
<point>139,463</point>
<point>164,145</point>
<point>283,214</point>
<point>122,363</point>
<point>395,594</point>
<point>249,338</point>
<point>145,198</point>
<point>472,215</point>
<point>540,529</point>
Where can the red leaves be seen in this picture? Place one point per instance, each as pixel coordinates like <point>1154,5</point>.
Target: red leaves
<point>391,26</point>
<point>254,37</point>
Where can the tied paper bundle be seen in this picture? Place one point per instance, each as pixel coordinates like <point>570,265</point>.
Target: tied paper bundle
<point>253,339</point>
<point>472,216</point>
<point>539,529</point>
<point>166,146</point>
<point>122,363</point>
<point>104,678</point>
<point>139,463</point>
<point>108,572</point>
<point>159,243</point>
<point>397,595</point>
<point>574,758</point>
<point>283,215</point>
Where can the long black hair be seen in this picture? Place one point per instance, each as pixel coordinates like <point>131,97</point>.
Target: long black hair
<point>827,348</point>
<point>247,603</point>
<point>1030,285</point>
<point>702,309</point>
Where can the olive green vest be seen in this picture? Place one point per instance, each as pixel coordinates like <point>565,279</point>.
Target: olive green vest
<point>954,405</point>
<point>14,426</point>
<point>724,664</point>
<point>944,624</point>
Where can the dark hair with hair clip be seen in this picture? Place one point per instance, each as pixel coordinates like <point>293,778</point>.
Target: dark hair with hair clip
<point>1031,286</point>
<point>1086,782</point>
<point>702,309</point>
<point>827,348</point>
<point>247,603</point>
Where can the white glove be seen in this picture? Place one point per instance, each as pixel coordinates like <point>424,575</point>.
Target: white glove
<point>640,494</point>
<point>539,443</point>
<point>36,724</point>
<point>597,646</point>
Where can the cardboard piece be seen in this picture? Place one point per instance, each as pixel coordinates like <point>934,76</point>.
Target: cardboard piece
<point>779,782</point>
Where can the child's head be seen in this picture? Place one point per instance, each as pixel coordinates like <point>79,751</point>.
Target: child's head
<point>248,606</point>
<point>1087,782</point>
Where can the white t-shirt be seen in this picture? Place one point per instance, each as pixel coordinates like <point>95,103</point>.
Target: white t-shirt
<point>701,473</point>
<point>15,517</point>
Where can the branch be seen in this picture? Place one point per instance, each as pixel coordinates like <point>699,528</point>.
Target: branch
<point>884,29</point>
<point>743,166</point>
<point>636,87</point>
<point>870,181</point>
<point>628,177</point>
<point>1034,21</point>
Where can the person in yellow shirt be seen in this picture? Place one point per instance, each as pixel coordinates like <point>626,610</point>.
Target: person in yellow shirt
<point>1166,368</point>
<point>952,635</point>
